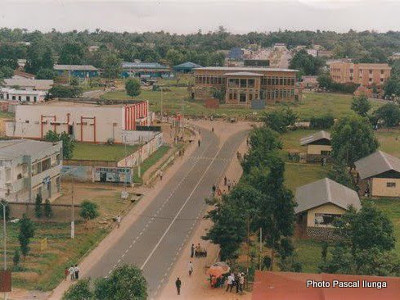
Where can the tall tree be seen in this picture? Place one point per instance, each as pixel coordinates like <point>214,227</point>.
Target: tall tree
<point>79,291</point>
<point>26,232</point>
<point>361,105</point>
<point>352,138</point>
<point>68,142</point>
<point>389,114</point>
<point>124,282</point>
<point>280,119</point>
<point>38,206</point>
<point>112,66</point>
<point>72,53</point>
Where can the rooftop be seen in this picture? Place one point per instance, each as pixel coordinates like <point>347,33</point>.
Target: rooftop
<point>10,149</point>
<point>377,163</point>
<point>243,74</point>
<point>245,69</point>
<point>142,65</point>
<point>39,84</point>
<point>75,68</point>
<point>325,191</point>
<point>320,135</point>
<point>187,65</point>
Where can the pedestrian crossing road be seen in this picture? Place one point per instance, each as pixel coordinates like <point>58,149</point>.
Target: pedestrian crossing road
<point>156,238</point>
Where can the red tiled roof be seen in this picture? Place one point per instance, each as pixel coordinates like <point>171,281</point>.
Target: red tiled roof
<point>293,286</point>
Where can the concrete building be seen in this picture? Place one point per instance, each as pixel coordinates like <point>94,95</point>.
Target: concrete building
<point>321,202</point>
<point>318,145</point>
<point>362,74</point>
<point>85,121</point>
<point>242,85</point>
<point>81,71</point>
<point>29,84</point>
<point>145,70</point>
<point>379,173</point>
<point>28,96</point>
<point>28,168</point>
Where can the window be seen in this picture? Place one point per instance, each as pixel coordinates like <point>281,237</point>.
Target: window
<point>28,98</point>
<point>34,99</point>
<point>243,83</point>
<point>391,184</point>
<point>251,83</point>
<point>70,129</point>
<point>382,72</point>
<point>325,219</point>
<point>242,97</point>
<point>370,71</point>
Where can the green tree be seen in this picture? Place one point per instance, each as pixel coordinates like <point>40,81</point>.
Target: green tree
<point>124,282</point>
<point>68,142</point>
<point>79,291</point>
<point>280,119</point>
<point>306,64</point>
<point>112,66</point>
<point>16,258</point>
<point>392,86</point>
<point>132,87</point>
<point>46,74</point>
<point>352,138</point>
<point>339,173</point>
<point>72,53</point>
<point>74,81</point>
<point>174,57</point>
<point>48,211</point>
<point>389,114</point>
<point>39,56</point>
<point>26,232</point>
<point>64,91</point>
<point>38,206</point>
<point>361,105</point>
<point>6,72</point>
<point>89,210</point>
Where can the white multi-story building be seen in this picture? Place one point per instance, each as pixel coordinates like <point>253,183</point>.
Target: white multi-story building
<point>28,168</point>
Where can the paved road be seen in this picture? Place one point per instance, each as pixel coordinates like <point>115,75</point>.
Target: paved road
<point>155,240</point>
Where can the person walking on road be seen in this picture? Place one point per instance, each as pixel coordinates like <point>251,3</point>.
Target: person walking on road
<point>178,284</point>
<point>76,270</point>
<point>225,181</point>
<point>192,251</point>
<point>190,268</point>
<point>229,285</point>
<point>118,221</point>
<point>71,271</point>
<point>241,282</point>
<point>198,143</point>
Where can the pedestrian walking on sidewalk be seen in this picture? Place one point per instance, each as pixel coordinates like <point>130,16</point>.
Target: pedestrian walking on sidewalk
<point>198,143</point>
<point>192,250</point>
<point>118,221</point>
<point>229,285</point>
<point>178,284</point>
<point>66,272</point>
<point>160,174</point>
<point>214,188</point>
<point>76,270</point>
<point>190,268</point>
<point>71,271</point>
<point>225,180</point>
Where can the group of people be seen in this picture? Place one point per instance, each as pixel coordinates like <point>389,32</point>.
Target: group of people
<point>235,280</point>
<point>73,272</point>
<point>197,251</point>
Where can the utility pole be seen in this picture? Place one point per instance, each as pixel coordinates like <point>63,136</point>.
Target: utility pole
<point>72,210</point>
<point>5,240</point>
<point>261,245</point>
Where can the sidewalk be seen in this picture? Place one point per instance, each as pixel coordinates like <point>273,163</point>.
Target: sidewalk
<point>197,285</point>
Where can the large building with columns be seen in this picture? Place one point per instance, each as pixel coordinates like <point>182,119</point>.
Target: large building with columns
<point>85,122</point>
<point>242,85</point>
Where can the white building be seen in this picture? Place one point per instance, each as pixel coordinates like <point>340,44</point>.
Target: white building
<point>85,121</point>
<point>31,96</point>
<point>28,168</point>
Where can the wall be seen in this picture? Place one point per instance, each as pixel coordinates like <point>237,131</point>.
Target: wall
<point>323,209</point>
<point>316,149</point>
<point>379,188</point>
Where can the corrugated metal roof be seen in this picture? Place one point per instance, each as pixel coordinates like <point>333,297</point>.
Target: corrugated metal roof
<point>325,191</point>
<point>187,65</point>
<point>133,65</point>
<point>320,135</point>
<point>377,163</point>
<point>10,149</point>
<point>245,69</point>
<point>75,68</point>
<point>38,84</point>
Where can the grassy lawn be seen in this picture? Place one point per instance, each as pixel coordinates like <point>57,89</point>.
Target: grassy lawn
<point>150,161</point>
<point>103,152</point>
<point>389,140</point>
<point>175,99</point>
<point>44,270</point>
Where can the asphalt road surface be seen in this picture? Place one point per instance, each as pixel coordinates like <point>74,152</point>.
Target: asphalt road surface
<point>155,240</point>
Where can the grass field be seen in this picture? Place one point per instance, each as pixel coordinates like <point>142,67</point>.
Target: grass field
<point>175,99</point>
<point>83,151</point>
<point>43,270</point>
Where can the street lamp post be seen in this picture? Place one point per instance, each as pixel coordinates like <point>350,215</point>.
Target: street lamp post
<point>5,240</point>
